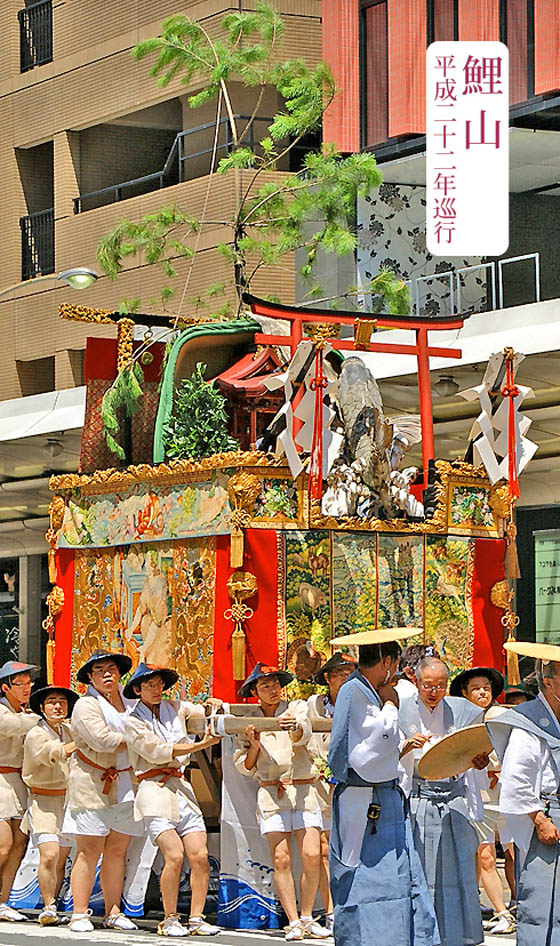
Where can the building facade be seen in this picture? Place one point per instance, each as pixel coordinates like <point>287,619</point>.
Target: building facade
<point>88,138</point>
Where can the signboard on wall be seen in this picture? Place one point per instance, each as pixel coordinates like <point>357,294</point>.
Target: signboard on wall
<point>467,148</point>
<point>547,586</point>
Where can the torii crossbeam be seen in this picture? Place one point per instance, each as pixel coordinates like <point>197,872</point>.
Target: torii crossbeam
<point>299,316</point>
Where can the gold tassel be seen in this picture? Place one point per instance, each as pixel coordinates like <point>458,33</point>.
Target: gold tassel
<point>52,567</point>
<point>238,653</point>
<point>236,551</point>
<point>51,646</point>
<point>512,561</point>
<point>512,666</point>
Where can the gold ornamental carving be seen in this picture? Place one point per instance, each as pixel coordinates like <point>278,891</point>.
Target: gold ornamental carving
<point>501,594</point>
<point>243,489</point>
<point>84,313</point>
<point>240,586</point>
<point>125,338</point>
<point>321,332</point>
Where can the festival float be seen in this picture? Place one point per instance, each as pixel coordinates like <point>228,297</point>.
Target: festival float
<point>314,526</point>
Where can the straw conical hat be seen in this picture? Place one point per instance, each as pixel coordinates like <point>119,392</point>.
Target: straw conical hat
<point>381,635</point>
<point>453,754</point>
<point>534,649</point>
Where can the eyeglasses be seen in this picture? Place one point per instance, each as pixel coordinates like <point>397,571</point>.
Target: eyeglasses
<point>440,688</point>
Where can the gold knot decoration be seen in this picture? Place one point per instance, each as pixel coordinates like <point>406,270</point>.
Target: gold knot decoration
<point>510,621</point>
<point>243,489</point>
<point>240,586</point>
<point>55,604</point>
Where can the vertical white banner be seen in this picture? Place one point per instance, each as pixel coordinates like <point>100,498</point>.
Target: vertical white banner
<point>467,138</point>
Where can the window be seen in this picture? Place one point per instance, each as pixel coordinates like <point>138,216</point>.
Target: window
<point>35,35</point>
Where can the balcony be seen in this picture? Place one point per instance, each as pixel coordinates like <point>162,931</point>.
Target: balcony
<point>35,35</point>
<point>189,157</point>
<point>37,244</point>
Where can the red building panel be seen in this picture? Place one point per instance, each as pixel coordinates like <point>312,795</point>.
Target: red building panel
<point>479,20</point>
<point>341,50</point>
<point>517,45</point>
<point>406,20</point>
<point>547,46</point>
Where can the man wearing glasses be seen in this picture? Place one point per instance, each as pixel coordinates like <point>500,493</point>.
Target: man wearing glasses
<point>441,811</point>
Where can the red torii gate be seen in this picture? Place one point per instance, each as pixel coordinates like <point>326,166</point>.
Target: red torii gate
<point>298,316</point>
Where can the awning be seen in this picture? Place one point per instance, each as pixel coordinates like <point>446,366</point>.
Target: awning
<point>42,414</point>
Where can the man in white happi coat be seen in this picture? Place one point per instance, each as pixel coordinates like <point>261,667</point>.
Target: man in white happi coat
<point>165,802</point>
<point>15,722</point>
<point>100,790</point>
<point>287,798</point>
<point>321,706</point>
<point>527,740</point>
<point>46,752</point>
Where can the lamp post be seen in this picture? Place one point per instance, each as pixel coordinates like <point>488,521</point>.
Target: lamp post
<point>80,277</point>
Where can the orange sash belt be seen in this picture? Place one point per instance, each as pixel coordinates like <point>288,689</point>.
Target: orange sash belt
<point>9,768</point>
<point>281,784</point>
<point>109,775</point>
<point>166,773</point>
<point>47,791</point>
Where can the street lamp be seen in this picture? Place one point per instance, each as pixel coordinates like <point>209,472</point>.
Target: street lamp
<point>78,278</point>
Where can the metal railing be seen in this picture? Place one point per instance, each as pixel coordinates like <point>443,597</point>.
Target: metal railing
<point>454,295</point>
<point>175,169</point>
<point>37,244</point>
<point>35,35</point>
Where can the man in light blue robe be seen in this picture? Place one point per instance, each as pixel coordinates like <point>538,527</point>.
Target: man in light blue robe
<point>378,887</point>
<point>442,811</point>
<point>527,741</point>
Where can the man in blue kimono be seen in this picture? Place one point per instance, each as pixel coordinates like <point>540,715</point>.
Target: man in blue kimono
<point>441,811</point>
<point>378,887</point>
<point>527,740</point>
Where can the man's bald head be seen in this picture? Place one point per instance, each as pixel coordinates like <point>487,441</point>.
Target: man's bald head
<point>431,664</point>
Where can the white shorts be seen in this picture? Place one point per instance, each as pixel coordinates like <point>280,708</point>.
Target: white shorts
<point>288,821</point>
<point>64,840</point>
<point>98,822</point>
<point>493,823</point>
<point>189,821</point>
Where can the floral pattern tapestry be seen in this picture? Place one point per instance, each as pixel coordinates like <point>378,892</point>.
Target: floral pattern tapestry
<point>449,619</point>
<point>400,581</point>
<point>307,601</point>
<point>153,602</point>
<point>354,582</point>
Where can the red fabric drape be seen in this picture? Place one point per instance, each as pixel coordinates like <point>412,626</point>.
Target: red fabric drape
<point>64,621</point>
<point>261,631</point>
<point>100,370</point>
<point>489,555</point>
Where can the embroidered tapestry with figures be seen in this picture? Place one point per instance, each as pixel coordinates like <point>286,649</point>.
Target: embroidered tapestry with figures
<point>168,603</point>
<point>154,602</point>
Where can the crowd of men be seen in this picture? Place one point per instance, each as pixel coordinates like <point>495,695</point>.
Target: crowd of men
<point>387,849</point>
